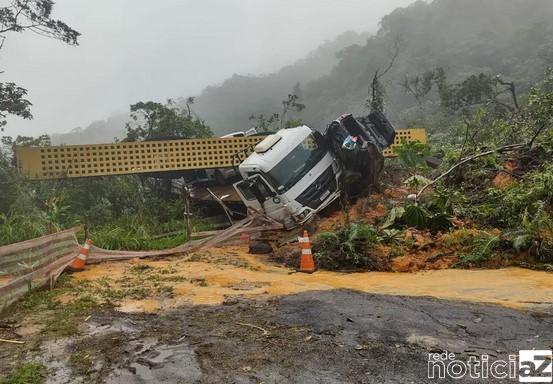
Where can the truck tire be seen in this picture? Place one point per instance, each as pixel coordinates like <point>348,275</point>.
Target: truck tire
<point>260,248</point>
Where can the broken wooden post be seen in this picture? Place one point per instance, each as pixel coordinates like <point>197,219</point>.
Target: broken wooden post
<point>187,213</point>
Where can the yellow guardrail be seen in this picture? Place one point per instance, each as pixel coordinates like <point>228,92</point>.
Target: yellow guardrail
<point>55,162</point>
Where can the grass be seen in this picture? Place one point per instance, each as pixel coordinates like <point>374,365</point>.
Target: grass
<point>15,228</point>
<point>348,247</point>
<point>26,373</point>
<point>60,319</point>
<point>67,317</point>
<point>480,250</point>
<point>139,281</point>
<point>141,235</point>
<point>93,356</point>
<point>133,233</point>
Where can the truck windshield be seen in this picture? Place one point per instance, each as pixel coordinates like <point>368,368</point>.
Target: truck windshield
<point>297,163</point>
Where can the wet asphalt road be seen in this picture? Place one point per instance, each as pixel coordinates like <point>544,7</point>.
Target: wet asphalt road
<point>338,336</point>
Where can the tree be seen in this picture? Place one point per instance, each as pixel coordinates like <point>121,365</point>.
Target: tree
<point>277,121</point>
<point>290,104</point>
<point>264,123</point>
<point>13,102</point>
<point>156,121</point>
<point>474,91</point>
<point>189,101</point>
<point>377,92</point>
<point>27,141</point>
<point>34,16</point>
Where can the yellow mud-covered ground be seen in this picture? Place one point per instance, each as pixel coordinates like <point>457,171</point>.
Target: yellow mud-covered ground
<point>223,315</point>
<point>220,274</point>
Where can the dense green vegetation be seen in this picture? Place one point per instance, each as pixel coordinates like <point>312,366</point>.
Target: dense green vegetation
<point>347,247</point>
<point>495,180</point>
<point>464,38</point>
<point>123,212</point>
<point>26,373</point>
<point>438,65</point>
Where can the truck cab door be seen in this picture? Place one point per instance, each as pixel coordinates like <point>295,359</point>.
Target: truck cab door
<point>244,190</point>
<point>257,193</point>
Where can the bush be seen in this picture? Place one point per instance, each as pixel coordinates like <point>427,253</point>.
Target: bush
<point>535,235</point>
<point>139,233</point>
<point>411,153</point>
<point>26,373</point>
<point>507,208</point>
<point>430,218</point>
<point>349,247</point>
<point>15,228</point>
<point>480,250</point>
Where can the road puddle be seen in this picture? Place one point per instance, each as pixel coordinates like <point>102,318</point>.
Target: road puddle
<point>221,274</point>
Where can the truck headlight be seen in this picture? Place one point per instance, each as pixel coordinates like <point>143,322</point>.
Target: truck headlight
<point>300,216</point>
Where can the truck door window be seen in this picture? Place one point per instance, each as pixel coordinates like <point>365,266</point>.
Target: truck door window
<point>245,190</point>
<point>259,188</point>
<point>263,188</point>
<point>297,163</point>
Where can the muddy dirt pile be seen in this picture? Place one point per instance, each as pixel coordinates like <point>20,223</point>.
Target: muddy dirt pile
<point>409,250</point>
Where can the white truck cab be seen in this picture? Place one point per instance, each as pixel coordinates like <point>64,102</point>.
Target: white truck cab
<point>290,176</point>
<point>296,172</point>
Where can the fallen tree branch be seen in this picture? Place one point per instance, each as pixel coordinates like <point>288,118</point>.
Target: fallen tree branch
<point>11,341</point>
<point>265,332</point>
<point>505,148</point>
<point>538,132</point>
<point>512,89</point>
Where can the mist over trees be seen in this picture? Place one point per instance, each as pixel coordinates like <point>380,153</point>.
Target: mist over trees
<point>265,94</point>
<point>156,121</point>
<point>28,16</point>
<point>506,37</point>
<point>453,39</point>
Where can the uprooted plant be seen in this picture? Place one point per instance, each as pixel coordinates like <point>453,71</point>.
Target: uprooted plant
<point>496,182</point>
<point>349,247</point>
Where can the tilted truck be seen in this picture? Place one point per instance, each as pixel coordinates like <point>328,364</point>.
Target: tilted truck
<point>291,175</point>
<point>297,172</point>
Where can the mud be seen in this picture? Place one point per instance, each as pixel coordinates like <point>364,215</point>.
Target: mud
<point>224,316</point>
<point>332,336</point>
<point>222,274</point>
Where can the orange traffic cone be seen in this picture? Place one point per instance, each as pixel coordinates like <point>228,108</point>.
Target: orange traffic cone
<point>307,264</point>
<point>79,262</point>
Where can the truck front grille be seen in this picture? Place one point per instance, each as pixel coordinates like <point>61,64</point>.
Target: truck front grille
<point>312,197</point>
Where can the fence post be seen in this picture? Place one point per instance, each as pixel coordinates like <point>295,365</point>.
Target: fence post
<point>187,213</point>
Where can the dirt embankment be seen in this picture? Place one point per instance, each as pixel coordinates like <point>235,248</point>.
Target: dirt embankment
<point>407,250</point>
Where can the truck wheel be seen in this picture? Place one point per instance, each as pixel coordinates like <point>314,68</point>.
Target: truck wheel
<point>260,248</point>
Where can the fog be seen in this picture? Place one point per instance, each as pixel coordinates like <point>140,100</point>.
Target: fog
<point>154,50</point>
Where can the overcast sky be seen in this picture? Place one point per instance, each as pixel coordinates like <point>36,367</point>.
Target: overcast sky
<point>132,50</point>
